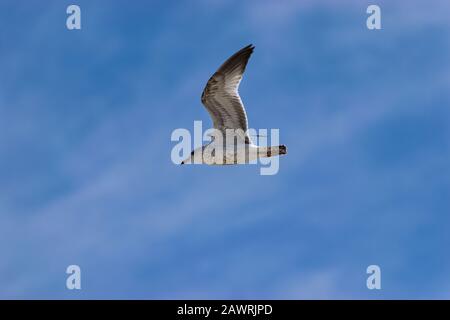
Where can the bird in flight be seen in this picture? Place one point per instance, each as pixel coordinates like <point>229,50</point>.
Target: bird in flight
<point>231,143</point>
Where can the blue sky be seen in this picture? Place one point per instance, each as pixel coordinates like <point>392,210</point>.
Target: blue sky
<point>86,176</point>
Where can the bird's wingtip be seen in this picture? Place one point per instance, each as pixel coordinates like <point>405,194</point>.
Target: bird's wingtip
<point>248,47</point>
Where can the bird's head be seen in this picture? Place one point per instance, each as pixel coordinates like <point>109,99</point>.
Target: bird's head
<point>189,159</point>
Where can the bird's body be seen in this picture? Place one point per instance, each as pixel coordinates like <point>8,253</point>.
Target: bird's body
<point>231,143</point>
<point>238,153</point>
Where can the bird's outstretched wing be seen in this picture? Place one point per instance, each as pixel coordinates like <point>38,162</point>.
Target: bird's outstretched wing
<point>221,97</point>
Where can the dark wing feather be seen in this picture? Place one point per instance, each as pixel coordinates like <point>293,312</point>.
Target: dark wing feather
<point>221,96</point>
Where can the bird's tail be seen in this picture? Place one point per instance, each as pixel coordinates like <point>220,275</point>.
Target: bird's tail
<point>265,152</point>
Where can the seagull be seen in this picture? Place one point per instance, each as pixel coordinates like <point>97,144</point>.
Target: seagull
<point>230,143</point>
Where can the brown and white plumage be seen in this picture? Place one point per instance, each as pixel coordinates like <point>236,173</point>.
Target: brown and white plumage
<point>221,99</point>
<point>221,96</point>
